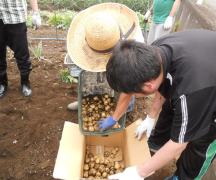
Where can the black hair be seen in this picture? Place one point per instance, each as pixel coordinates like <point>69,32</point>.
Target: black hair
<point>132,64</point>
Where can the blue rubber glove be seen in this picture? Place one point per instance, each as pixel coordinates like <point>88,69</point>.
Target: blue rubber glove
<point>106,123</point>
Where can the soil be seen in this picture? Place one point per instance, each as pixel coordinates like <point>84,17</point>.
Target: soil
<point>31,128</point>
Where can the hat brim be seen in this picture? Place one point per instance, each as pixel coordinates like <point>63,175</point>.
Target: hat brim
<point>78,49</point>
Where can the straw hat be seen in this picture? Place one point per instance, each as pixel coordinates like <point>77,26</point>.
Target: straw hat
<point>94,32</point>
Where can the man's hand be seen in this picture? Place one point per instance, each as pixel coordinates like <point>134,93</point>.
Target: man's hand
<point>36,19</point>
<point>148,125</point>
<point>129,174</point>
<point>168,23</point>
<point>147,14</point>
<point>106,123</point>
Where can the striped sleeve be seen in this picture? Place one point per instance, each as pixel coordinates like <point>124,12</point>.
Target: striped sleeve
<point>184,123</point>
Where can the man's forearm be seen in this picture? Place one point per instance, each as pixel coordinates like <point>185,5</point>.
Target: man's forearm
<point>168,152</point>
<point>34,5</point>
<point>122,106</point>
<point>156,106</point>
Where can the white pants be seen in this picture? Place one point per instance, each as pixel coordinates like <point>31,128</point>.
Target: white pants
<point>156,31</point>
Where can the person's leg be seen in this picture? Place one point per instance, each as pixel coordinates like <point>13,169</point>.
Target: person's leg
<point>151,35</point>
<point>197,157</point>
<point>3,62</point>
<point>17,41</point>
<point>160,31</point>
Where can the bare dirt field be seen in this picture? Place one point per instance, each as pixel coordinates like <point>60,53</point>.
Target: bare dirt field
<point>31,128</point>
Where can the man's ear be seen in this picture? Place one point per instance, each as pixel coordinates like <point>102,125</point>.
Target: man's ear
<point>149,84</point>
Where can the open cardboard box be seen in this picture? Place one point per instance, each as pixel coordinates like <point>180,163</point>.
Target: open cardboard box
<point>71,154</point>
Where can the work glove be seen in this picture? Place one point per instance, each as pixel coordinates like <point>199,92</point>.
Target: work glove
<point>146,125</point>
<point>36,19</point>
<point>129,174</point>
<point>168,23</point>
<point>147,14</point>
<point>106,123</point>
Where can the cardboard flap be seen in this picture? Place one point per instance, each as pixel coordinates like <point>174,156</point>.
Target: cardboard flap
<point>135,152</point>
<point>70,155</point>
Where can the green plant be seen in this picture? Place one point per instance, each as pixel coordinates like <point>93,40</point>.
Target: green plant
<point>66,20</point>
<point>176,26</point>
<point>29,21</point>
<point>44,13</point>
<point>66,77</point>
<point>54,19</point>
<point>141,17</point>
<point>36,50</point>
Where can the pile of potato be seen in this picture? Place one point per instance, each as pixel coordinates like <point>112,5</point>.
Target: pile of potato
<point>96,108</point>
<point>96,168</point>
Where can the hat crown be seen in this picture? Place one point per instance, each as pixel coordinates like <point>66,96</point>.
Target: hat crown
<point>102,31</point>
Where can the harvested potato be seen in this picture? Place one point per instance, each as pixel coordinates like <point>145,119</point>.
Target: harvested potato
<point>86,167</point>
<point>95,108</point>
<point>106,154</point>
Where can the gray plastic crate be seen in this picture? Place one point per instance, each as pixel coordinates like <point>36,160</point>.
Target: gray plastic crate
<point>95,83</point>
<point>72,67</point>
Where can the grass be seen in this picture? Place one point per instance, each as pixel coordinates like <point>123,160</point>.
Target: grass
<point>36,50</point>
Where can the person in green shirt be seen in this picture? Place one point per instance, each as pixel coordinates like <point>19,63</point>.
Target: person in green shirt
<point>164,12</point>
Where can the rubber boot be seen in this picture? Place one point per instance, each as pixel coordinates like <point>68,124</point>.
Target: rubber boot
<point>25,83</point>
<point>3,85</point>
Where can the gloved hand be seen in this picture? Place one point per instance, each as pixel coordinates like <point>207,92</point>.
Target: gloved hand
<point>148,125</point>
<point>36,19</point>
<point>147,14</point>
<point>168,23</point>
<point>106,123</point>
<point>129,174</point>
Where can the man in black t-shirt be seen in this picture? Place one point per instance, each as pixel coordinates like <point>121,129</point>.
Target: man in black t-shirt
<point>181,69</point>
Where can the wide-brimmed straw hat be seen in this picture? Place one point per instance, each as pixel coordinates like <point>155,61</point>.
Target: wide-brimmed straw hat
<point>95,31</point>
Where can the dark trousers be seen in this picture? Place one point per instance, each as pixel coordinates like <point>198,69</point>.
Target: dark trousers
<point>14,36</point>
<point>198,155</point>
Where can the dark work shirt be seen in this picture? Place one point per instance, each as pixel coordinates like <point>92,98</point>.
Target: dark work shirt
<point>189,62</point>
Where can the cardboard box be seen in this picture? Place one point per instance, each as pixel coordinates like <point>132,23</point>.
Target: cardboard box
<point>71,154</point>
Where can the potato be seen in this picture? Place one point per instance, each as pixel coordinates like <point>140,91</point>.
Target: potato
<point>96,98</point>
<point>91,165</point>
<point>106,161</point>
<point>107,108</point>
<point>104,174</point>
<point>98,173</point>
<point>111,172</point>
<point>106,103</point>
<point>92,106</point>
<point>91,128</point>
<point>112,156</point>
<point>97,160</point>
<point>117,165</point>
<point>106,154</point>
<point>90,110</point>
<point>118,171</point>
<point>106,96</point>
<point>85,174</point>
<point>103,114</point>
<point>116,149</point>
<point>84,101</point>
<point>85,128</point>
<point>113,151</point>
<point>86,167</point>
